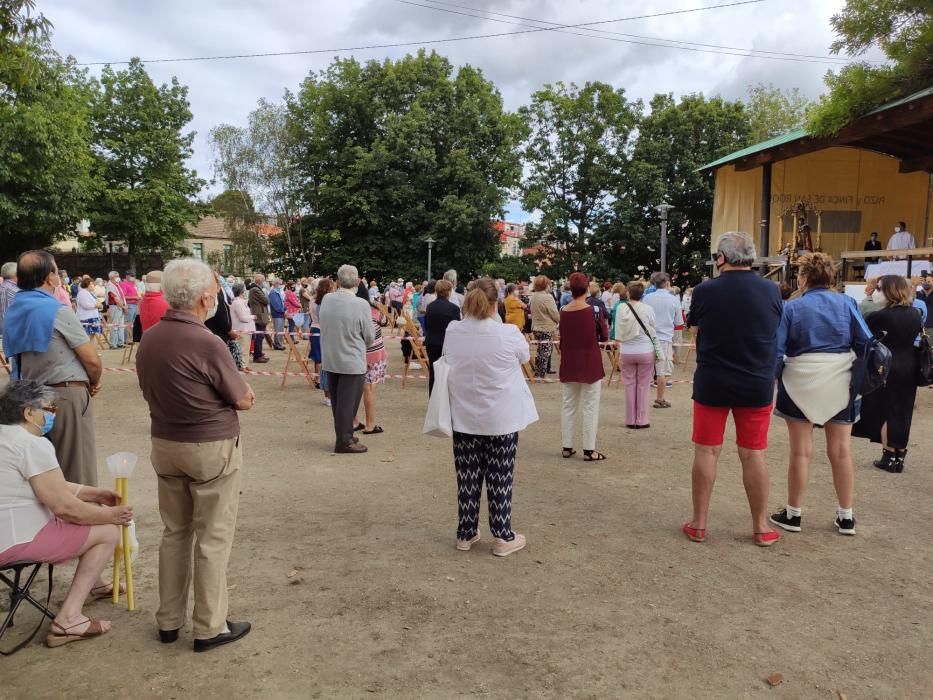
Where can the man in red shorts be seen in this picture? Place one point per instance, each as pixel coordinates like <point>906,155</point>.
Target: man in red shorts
<point>737,317</point>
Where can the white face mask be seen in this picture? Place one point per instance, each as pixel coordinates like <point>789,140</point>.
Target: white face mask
<point>211,311</point>
<point>877,296</point>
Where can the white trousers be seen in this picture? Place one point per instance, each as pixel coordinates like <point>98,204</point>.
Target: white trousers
<point>583,400</point>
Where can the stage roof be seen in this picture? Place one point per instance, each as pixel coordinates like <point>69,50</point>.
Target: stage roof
<point>902,129</point>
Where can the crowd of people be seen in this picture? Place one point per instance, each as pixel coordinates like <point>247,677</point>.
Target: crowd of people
<point>197,331</point>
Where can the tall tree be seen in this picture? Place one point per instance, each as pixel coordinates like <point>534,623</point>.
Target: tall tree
<point>903,30</point>
<point>258,161</point>
<point>577,149</point>
<point>45,156</point>
<point>147,193</point>
<point>674,139</point>
<point>250,251</point>
<point>772,111</point>
<point>392,153</point>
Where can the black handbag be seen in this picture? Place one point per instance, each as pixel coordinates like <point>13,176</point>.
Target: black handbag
<point>872,365</point>
<point>925,356</point>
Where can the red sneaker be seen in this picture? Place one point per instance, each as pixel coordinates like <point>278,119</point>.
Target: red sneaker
<point>766,539</point>
<point>693,533</point>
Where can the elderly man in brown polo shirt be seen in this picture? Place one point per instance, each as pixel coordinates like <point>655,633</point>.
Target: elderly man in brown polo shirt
<point>194,391</point>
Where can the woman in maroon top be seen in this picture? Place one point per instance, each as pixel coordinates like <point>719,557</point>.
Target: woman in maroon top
<point>582,328</point>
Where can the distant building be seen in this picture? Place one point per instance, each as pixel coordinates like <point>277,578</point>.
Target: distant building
<point>210,240</point>
<point>510,238</point>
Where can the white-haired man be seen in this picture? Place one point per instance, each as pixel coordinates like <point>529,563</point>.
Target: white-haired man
<point>346,332</point>
<point>455,296</point>
<point>194,391</point>
<point>8,289</point>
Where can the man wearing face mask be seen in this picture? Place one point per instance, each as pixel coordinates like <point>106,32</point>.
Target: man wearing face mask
<point>194,392</point>
<point>902,238</point>
<point>50,347</point>
<point>277,309</point>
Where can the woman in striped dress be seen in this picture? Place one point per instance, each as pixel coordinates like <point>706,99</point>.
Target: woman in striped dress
<point>376,360</point>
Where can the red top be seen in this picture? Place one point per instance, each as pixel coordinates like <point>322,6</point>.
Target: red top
<point>581,359</point>
<point>152,309</point>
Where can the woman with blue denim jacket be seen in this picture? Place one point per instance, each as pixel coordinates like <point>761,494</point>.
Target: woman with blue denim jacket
<point>815,354</point>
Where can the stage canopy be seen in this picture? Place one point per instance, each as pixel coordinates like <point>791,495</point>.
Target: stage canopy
<point>876,171</point>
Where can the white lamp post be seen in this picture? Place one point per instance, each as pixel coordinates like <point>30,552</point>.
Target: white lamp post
<point>430,241</point>
<point>664,208</point>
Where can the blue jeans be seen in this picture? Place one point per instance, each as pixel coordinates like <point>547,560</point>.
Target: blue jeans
<point>117,319</point>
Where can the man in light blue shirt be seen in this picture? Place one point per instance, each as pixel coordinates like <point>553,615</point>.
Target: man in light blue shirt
<point>667,315</point>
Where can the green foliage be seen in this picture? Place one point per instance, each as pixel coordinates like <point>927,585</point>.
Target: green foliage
<point>674,140</point>
<point>577,150</point>
<point>392,153</point>
<point>147,192</point>
<point>511,268</point>
<point>45,157</point>
<point>903,29</point>
<point>772,112</point>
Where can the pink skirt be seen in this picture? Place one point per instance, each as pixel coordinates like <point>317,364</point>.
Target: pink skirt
<point>58,541</point>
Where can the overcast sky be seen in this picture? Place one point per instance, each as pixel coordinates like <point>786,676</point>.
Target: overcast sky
<point>226,90</point>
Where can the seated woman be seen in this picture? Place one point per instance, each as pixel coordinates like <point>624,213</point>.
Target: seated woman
<point>44,518</point>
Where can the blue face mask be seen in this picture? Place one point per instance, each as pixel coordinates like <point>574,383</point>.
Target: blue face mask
<point>46,426</point>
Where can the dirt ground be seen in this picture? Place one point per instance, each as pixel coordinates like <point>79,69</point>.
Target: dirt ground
<point>346,567</point>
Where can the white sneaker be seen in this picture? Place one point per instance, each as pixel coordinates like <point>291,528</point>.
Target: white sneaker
<point>326,401</point>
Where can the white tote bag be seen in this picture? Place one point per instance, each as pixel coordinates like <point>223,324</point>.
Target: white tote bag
<point>437,421</point>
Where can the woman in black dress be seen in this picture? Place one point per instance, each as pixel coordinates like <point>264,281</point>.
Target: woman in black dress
<point>887,412</point>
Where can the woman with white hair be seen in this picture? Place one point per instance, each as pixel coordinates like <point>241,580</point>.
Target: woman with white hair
<point>44,518</point>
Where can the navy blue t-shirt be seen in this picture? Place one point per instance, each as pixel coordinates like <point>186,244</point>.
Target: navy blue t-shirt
<point>737,316</point>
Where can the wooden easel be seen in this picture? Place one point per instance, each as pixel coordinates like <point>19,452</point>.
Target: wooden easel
<point>612,352</point>
<point>128,351</point>
<point>294,355</point>
<point>418,351</point>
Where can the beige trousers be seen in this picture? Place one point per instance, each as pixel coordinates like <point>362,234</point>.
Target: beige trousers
<point>199,491</point>
<point>579,400</point>
<point>73,434</point>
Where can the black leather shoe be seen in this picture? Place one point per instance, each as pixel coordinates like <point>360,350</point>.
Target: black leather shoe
<point>238,630</point>
<point>168,636</point>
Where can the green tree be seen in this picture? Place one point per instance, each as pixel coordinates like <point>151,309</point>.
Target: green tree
<point>903,30</point>
<point>147,193</point>
<point>392,153</point>
<point>576,151</point>
<point>45,156</point>
<point>511,268</point>
<point>257,161</point>
<point>250,250</point>
<point>674,139</point>
<point>772,111</point>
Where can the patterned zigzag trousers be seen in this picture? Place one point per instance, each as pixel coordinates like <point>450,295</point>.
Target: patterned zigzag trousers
<point>490,458</point>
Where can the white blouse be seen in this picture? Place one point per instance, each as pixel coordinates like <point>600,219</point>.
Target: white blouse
<point>488,392</point>
<point>22,456</point>
<point>87,305</point>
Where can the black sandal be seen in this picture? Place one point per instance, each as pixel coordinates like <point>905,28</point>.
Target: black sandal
<point>593,456</point>
<point>568,452</point>
<point>359,426</point>
<point>376,429</point>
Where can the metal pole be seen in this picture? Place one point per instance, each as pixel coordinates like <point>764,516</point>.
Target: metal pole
<point>430,246</point>
<point>664,242</point>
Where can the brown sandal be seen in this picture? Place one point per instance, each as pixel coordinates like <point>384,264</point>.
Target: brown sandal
<point>55,639</point>
<point>105,592</point>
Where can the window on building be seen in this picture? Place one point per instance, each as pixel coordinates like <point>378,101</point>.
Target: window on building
<point>228,257</point>
<point>197,251</point>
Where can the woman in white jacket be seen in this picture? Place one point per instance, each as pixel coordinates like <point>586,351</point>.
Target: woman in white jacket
<point>86,308</point>
<point>242,320</point>
<point>489,403</point>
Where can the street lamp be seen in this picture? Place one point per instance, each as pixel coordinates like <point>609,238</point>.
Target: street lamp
<point>430,241</point>
<point>664,208</point>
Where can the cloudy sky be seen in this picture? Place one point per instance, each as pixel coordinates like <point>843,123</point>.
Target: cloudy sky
<point>226,90</point>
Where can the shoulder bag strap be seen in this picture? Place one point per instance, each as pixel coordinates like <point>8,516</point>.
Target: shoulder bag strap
<point>640,323</point>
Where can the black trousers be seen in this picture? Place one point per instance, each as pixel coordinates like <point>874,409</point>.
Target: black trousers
<point>434,354</point>
<point>490,458</point>
<point>346,391</point>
